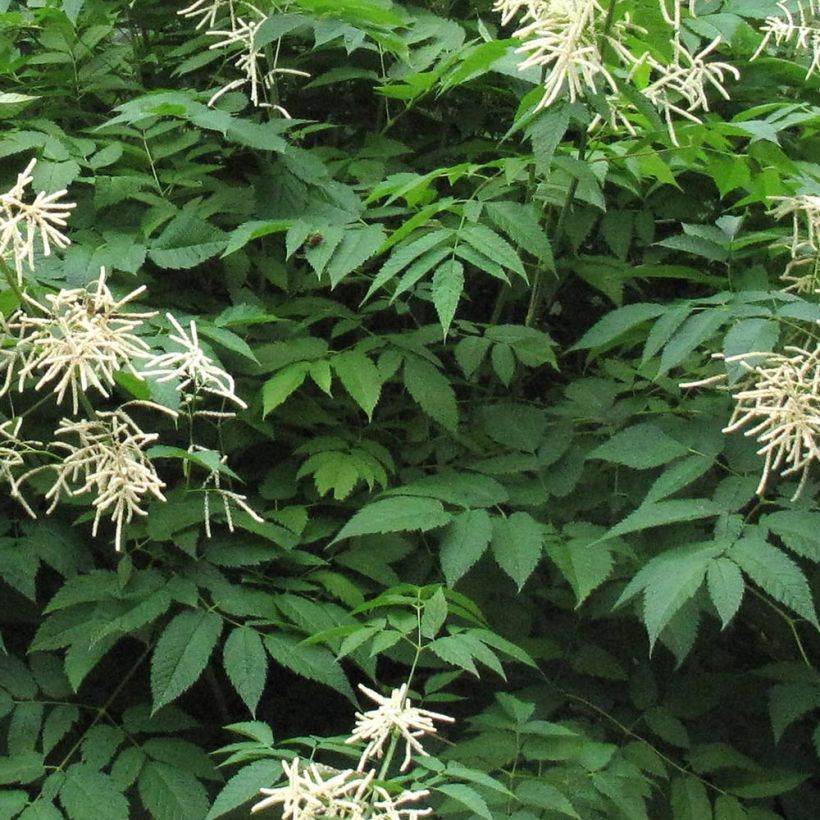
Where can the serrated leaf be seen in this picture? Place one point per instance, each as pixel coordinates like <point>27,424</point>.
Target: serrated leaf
<point>658,513</point>
<point>545,796</point>
<point>244,786</point>
<point>448,283</point>
<point>278,388</point>
<point>517,545</point>
<point>789,702</point>
<point>360,377</point>
<point>463,542</point>
<point>584,564</point>
<point>641,446</point>
<point>434,614</point>
<point>182,653</point>
<point>729,808</point>
<point>399,514</point>
<point>616,323</point>
<point>169,793</point>
<point>357,246</point>
<point>86,793</point>
<point>689,800</point>
<point>186,242</point>
<point>246,665</point>
<point>798,529</point>
<point>776,574</point>
<point>312,662</point>
<point>725,584</point>
<point>487,242</point>
<point>455,650</point>
<point>521,224</point>
<point>432,391</point>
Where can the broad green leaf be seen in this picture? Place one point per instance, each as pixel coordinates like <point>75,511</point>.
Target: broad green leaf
<point>319,254</point>
<point>658,513</point>
<point>244,786</point>
<point>517,545</point>
<point>729,808</point>
<point>463,542</point>
<point>434,614</point>
<point>776,574</point>
<point>246,665</point>
<point>85,788</point>
<point>448,283</point>
<point>789,702</point>
<point>642,446</point>
<point>521,224</point>
<point>749,336</point>
<point>287,381</point>
<point>182,653</point>
<point>312,662</point>
<point>585,564</point>
<point>169,793</point>
<point>678,475</point>
<point>456,650</point>
<point>690,800</point>
<point>696,330</point>
<point>432,391</point>
<point>466,796</point>
<point>616,323</point>
<point>493,246</point>
<point>360,377</point>
<point>470,352</point>
<point>357,246</point>
<point>22,768</point>
<point>545,796</point>
<point>399,514</point>
<point>725,584</point>
<point>798,530</point>
<point>186,242</point>
<point>459,489</point>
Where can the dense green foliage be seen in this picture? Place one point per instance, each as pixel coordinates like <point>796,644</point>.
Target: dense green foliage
<point>460,325</point>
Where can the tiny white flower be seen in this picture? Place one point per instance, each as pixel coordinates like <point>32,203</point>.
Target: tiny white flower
<point>394,715</point>
<point>22,222</point>
<point>805,212</point>
<point>208,11</point>
<point>197,372</point>
<point>797,27</point>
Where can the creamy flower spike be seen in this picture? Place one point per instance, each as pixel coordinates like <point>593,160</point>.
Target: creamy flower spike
<point>805,212</point>
<point>110,463</point>
<point>196,371</point>
<point>13,450</point>
<point>81,340</point>
<point>208,11</point>
<point>394,716</point>
<point>22,222</point>
<point>320,791</point>
<point>796,26</point>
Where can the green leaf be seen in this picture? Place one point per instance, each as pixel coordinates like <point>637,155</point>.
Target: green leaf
<point>517,545</point>
<point>287,381</point>
<point>169,793</point>
<point>789,702</point>
<point>244,786</point>
<point>312,662</point>
<point>641,446</point>
<point>585,564</point>
<point>544,796</point>
<point>463,542</point>
<point>431,389</point>
<point>87,794</point>
<point>689,800</point>
<point>725,584</point>
<point>693,332</point>
<point>434,614</point>
<point>448,283</point>
<point>24,767</point>
<point>186,242</point>
<point>246,665</point>
<point>182,653</point>
<point>776,574</point>
<point>520,223</point>
<point>729,808</point>
<point>357,246</point>
<point>487,242</point>
<point>455,650</point>
<point>798,530</point>
<point>616,323</point>
<point>360,377</point>
<point>658,513</point>
<point>399,514</point>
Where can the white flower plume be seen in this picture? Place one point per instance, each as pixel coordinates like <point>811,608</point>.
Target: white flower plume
<point>22,222</point>
<point>110,463</point>
<point>314,791</point>
<point>796,26</point>
<point>197,372</point>
<point>80,340</point>
<point>394,716</point>
<point>13,450</point>
<point>208,11</point>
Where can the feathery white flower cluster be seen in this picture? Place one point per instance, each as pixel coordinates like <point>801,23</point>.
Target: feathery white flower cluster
<point>82,338</point>
<point>110,463</point>
<point>797,26</point>
<point>258,64</point>
<point>22,222</point>
<point>319,791</point>
<point>805,245</point>
<point>567,39</point>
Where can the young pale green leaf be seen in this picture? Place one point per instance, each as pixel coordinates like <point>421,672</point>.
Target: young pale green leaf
<point>641,446</point>
<point>85,788</point>
<point>448,283</point>
<point>464,541</point>
<point>182,653</point>
<point>169,793</point>
<point>725,584</point>
<point>312,662</point>
<point>399,514</point>
<point>776,574</point>
<point>517,545</point>
<point>246,665</point>
<point>360,377</point>
<point>432,391</point>
<point>244,786</point>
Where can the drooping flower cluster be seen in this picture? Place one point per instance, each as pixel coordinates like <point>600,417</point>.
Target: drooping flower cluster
<point>256,59</point>
<point>22,223</point>
<point>779,403</point>
<point>78,339</point>
<point>798,27</point>
<point>319,791</point>
<point>804,210</point>
<point>567,39</point>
